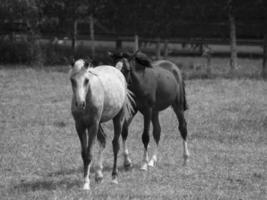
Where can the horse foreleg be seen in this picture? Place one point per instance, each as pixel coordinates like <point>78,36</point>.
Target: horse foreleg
<point>127,161</point>
<point>145,138</point>
<point>92,132</point>
<point>156,135</point>
<point>101,137</point>
<point>81,130</point>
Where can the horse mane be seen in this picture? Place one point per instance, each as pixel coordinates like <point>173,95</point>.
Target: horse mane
<point>143,60</point>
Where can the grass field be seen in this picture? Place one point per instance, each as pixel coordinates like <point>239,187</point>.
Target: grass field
<point>40,151</point>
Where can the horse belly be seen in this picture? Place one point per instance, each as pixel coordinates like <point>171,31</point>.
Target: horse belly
<point>115,94</point>
<point>167,89</point>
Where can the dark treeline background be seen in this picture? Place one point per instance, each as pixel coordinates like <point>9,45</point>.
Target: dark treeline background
<point>165,19</point>
<point>223,20</point>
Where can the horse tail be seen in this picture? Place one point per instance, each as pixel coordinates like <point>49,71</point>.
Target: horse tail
<point>180,80</point>
<point>130,105</point>
<point>185,105</point>
<point>182,97</point>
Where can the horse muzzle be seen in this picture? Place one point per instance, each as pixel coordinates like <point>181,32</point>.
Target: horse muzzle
<point>81,104</point>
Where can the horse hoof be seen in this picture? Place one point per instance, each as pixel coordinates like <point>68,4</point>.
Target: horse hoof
<point>86,186</point>
<point>144,167</point>
<point>186,158</point>
<point>127,166</point>
<point>98,179</point>
<point>185,162</point>
<point>114,181</point>
<point>152,163</point>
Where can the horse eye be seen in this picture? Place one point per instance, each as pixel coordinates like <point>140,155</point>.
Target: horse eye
<point>86,81</point>
<point>123,70</point>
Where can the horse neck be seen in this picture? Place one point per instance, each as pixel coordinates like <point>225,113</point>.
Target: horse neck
<point>137,81</point>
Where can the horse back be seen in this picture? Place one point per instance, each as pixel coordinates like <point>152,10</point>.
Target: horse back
<point>174,69</point>
<point>170,66</point>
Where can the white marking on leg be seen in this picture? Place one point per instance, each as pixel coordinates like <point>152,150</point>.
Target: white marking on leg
<point>86,185</point>
<point>127,160</point>
<point>114,181</point>
<point>154,158</point>
<point>125,149</point>
<point>144,165</point>
<point>99,163</point>
<point>186,152</point>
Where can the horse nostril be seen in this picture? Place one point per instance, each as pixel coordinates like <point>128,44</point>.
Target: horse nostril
<point>83,105</point>
<point>80,105</point>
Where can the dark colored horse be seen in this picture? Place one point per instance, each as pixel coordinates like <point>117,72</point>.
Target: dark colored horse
<point>156,86</point>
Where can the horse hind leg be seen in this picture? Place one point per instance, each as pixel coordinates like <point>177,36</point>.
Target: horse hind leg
<point>127,161</point>
<point>156,135</point>
<point>117,123</point>
<point>101,137</point>
<point>145,138</point>
<point>183,130</point>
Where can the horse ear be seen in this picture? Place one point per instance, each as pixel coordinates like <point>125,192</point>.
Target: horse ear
<point>125,55</point>
<point>86,64</point>
<point>72,62</point>
<point>110,54</point>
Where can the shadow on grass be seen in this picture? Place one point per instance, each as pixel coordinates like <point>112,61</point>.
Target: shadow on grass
<point>60,180</point>
<point>42,185</point>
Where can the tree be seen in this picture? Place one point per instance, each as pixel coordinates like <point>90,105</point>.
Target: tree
<point>264,29</point>
<point>20,11</point>
<point>233,45</point>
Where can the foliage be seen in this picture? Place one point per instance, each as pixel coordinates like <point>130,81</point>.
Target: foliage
<point>146,18</point>
<point>24,52</point>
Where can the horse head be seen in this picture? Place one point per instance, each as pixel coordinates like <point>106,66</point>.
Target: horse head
<point>122,61</point>
<point>79,78</point>
<point>127,62</point>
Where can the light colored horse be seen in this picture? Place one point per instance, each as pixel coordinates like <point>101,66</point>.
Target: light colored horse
<point>99,95</point>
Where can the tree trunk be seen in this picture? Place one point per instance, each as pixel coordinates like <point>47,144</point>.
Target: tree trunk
<point>264,64</point>
<point>74,37</point>
<point>92,35</point>
<point>136,42</point>
<point>233,46</point>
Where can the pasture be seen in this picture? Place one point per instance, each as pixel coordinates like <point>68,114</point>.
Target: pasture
<point>40,150</point>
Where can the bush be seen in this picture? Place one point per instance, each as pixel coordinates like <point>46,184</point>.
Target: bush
<point>20,52</point>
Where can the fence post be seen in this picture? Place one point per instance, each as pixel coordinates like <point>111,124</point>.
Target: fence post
<point>74,36</point>
<point>166,50</point>
<point>118,43</point>
<point>158,48</point>
<point>136,42</point>
<point>233,45</point>
<point>207,51</point>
